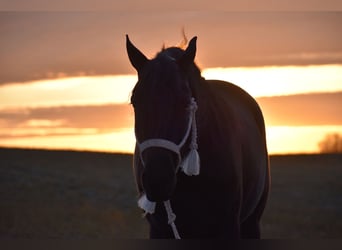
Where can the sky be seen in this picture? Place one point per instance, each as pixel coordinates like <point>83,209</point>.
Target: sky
<point>136,5</point>
<point>65,79</point>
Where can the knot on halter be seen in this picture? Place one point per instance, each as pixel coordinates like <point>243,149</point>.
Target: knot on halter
<point>190,165</point>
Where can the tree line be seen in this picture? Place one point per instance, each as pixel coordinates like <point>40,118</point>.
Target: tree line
<point>332,143</point>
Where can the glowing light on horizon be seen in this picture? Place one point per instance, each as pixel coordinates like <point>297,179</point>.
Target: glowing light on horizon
<point>85,90</point>
<point>285,80</point>
<point>293,139</point>
<point>280,140</point>
<point>120,141</point>
<point>97,90</point>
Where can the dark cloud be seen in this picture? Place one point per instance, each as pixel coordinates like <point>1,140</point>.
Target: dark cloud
<point>37,45</point>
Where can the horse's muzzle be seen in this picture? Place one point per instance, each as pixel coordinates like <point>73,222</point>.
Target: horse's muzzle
<point>159,174</point>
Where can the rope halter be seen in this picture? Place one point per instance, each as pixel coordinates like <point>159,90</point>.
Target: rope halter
<point>190,165</point>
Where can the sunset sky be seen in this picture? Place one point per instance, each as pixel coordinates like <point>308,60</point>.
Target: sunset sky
<point>65,79</point>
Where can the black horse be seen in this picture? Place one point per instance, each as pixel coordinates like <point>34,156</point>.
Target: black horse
<point>228,197</point>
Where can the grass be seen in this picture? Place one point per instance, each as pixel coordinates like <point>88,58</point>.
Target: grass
<point>76,195</point>
<point>60,194</point>
<point>306,197</point>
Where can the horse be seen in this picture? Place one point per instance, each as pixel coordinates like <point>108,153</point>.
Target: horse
<point>179,113</point>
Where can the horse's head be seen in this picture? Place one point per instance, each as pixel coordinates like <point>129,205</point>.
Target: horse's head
<point>162,104</point>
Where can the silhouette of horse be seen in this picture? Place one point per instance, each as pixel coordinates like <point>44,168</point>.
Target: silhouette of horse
<point>223,197</point>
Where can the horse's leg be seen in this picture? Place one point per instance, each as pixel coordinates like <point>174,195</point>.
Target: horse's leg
<point>231,232</point>
<point>250,228</point>
<point>232,225</point>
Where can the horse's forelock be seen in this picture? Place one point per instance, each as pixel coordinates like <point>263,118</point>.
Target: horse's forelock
<point>172,52</point>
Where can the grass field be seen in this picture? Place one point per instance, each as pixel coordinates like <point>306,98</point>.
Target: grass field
<point>76,195</point>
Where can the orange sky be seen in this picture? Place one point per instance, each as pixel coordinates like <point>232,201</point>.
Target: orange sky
<point>37,45</point>
<point>65,78</point>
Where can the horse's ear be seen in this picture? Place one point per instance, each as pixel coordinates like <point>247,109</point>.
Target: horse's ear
<point>189,55</point>
<point>137,58</point>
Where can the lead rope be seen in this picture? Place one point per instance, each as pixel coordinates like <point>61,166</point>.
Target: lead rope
<point>171,219</point>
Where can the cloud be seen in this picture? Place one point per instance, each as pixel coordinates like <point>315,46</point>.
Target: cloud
<point>68,120</point>
<point>68,91</point>
<point>38,45</point>
<point>303,110</point>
